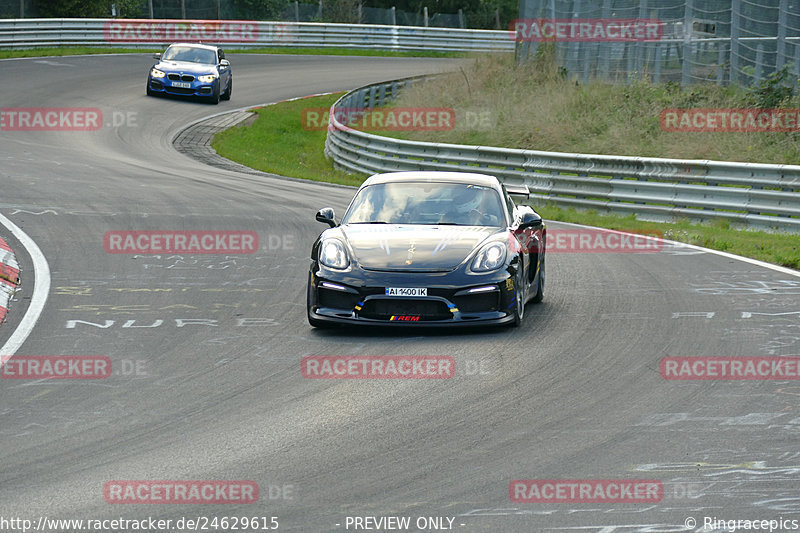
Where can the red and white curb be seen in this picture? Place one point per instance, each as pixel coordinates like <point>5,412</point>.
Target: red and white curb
<point>9,277</point>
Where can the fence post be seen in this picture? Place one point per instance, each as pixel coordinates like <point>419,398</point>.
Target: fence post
<point>22,9</point>
<point>393,14</point>
<point>796,64</point>
<point>780,58</point>
<point>657,63</point>
<point>759,63</point>
<point>425,15</point>
<point>461,22</point>
<point>149,7</point>
<point>735,20</point>
<point>720,63</point>
<point>319,10</point>
<point>497,19</point>
<point>640,47</point>
<point>296,10</point>
<point>183,9</point>
<point>604,47</point>
<point>686,66</point>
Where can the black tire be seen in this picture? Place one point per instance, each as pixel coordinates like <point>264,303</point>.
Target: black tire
<point>150,91</point>
<point>540,284</point>
<point>214,98</point>
<point>227,94</point>
<point>519,297</point>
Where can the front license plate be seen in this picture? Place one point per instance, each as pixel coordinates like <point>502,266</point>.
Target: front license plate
<point>184,84</point>
<point>406,291</point>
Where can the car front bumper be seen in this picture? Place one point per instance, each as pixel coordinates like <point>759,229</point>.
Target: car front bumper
<point>196,88</point>
<point>454,298</point>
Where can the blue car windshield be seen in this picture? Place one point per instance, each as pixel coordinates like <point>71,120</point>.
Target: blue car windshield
<point>190,53</point>
<point>459,204</point>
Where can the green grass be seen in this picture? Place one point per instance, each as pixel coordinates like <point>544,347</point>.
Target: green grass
<point>73,51</point>
<point>276,142</point>
<point>88,50</point>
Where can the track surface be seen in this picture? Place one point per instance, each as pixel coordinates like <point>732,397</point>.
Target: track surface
<point>573,394</point>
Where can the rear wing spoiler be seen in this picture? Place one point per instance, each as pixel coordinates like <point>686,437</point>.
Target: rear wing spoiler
<point>517,190</point>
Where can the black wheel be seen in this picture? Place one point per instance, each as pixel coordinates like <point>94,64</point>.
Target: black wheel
<point>227,94</point>
<point>519,298</point>
<point>214,98</point>
<point>311,320</point>
<point>149,90</point>
<point>540,284</point>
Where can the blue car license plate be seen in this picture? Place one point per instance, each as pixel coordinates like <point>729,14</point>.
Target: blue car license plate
<point>183,84</point>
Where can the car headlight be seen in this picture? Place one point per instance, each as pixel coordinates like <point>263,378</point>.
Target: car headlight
<point>208,78</point>
<point>333,255</point>
<point>491,257</point>
<point>157,73</point>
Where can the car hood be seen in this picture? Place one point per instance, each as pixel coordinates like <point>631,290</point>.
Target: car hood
<point>186,67</point>
<point>399,247</point>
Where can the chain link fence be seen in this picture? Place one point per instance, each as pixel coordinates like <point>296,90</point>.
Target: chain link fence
<point>723,41</point>
<point>345,11</point>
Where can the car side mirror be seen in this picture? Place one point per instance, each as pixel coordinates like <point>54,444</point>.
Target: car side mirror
<point>157,56</point>
<point>530,220</point>
<point>327,216</point>
<point>224,63</point>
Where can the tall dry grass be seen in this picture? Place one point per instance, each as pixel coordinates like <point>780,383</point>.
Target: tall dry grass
<point>532,105</point>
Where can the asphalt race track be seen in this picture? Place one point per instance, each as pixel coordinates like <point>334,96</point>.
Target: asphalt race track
<point>207,348</point>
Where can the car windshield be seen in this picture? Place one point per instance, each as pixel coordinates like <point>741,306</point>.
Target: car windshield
<point>190,53</point>
<point>459,204</point>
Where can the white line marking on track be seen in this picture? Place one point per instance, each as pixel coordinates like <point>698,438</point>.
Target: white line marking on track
<point>41,289</point>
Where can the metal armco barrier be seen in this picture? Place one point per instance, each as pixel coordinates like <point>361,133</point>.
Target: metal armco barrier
<point>755,195</point>
<point>147,33</point>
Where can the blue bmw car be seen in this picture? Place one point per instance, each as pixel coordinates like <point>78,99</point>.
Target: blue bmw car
<point>187,69</point>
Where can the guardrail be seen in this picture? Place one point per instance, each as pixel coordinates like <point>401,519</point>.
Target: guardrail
<point>755,195</point>
<point>148,33</point>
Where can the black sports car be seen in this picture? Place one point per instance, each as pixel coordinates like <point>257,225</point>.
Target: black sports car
<point>427,248</point>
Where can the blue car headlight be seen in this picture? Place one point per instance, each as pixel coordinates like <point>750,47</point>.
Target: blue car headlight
<point>491,257</point>
<point>333,255</point>
<point>157,73</point>
<point>207,78</point>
